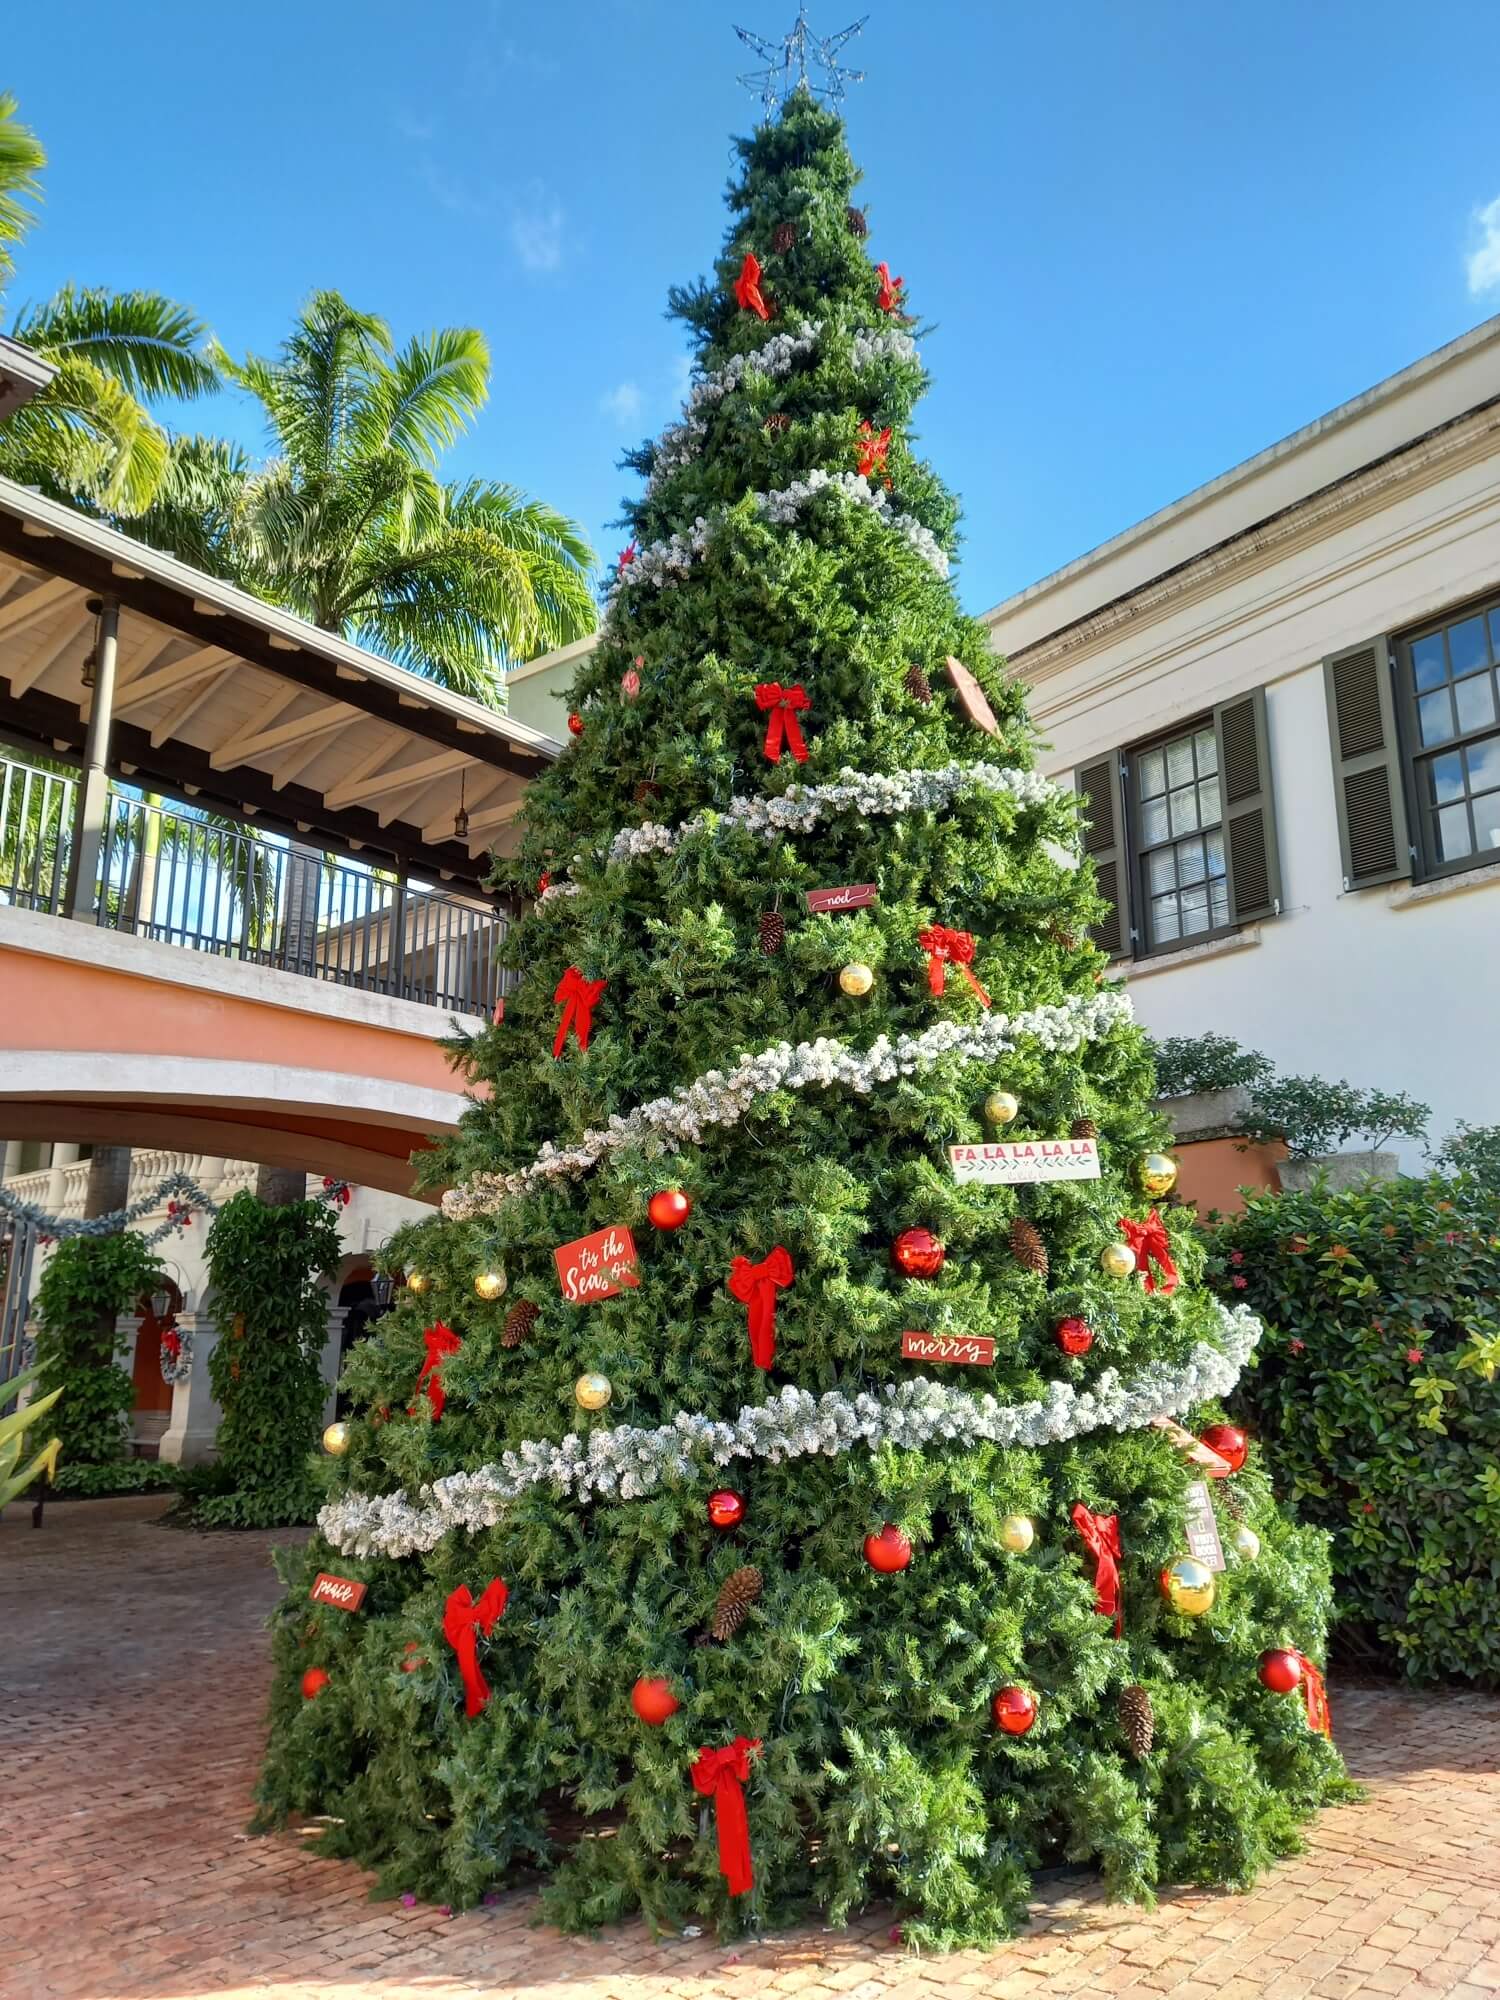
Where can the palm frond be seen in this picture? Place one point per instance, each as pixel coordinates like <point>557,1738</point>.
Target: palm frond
<point>22,158</point>
<point>151,345</point>
<point>85,439</point>
<point>424,400</point>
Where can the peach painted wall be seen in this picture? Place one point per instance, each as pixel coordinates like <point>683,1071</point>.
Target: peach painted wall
<point>1211,1172</point>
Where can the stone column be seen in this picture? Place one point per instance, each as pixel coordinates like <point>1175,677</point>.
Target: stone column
<point>332,1348</point>
<point>12,1167</point>
<point>92,807</point>
<point>194,1423</point>
<point>57,1194</point>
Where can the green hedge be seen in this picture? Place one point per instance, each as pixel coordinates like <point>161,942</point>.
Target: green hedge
<point>88,1281</point>
<point>1376,1401</point>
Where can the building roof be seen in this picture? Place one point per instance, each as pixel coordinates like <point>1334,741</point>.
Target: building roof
<point>22,373</point>
<point>1436,391</point>
<point>246,707</point>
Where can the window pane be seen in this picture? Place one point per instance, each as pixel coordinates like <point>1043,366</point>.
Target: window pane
<point>1429,665</point>
<point>1219,902</point>
<point>1476,702</point>
<point>1216,854</point>
<point>1185,810</point>
<point>1180,761</point>
<point>1487,824</point>
<point>1207,750</point>
<point>1190,861</point>
<point>1162,869</point>
<point>1453,841</point>
<point>1484,764</point>
<point>1194,911</point>
<point>1164,918</point>
<point>1466,646</point>
<point>1495,631</point>
<point>1151,773</point>
<point>1445,777</point>
<point>1435,712</point>
<point>1154,822</point>
<point>1208,802</point>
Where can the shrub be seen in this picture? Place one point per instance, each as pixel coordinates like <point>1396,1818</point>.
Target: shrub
<point>1472,1149</point>
<point>1376,1402</point>
<point>1314,1117</point>
<point>125,1475</point>
<point>1186,1064</point>
<point>88,1281</point>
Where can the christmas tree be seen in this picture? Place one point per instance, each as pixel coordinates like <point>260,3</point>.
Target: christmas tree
<point>764,1488</point>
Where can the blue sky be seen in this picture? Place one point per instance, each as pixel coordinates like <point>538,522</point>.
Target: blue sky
<point>1151,238</point>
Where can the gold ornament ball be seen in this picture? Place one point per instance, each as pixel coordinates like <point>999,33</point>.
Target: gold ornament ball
<point>1188,1586</point>
<point>491,1284</point>
<point>1017,1533</point>
<point>336,1440</point>
<point>1245,1543</point>
<point>592,1392</point>
<point>1117,1260</point>
<point>1000,1107</point>
<point>417,1281</point>
<point>1158,1174</point>
<point>856,979</point>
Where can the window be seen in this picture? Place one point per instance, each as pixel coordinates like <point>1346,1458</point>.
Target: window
<point>1415,727</point>
<point>1182,832</point>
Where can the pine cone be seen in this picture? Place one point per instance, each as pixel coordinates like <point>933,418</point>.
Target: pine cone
<point>1027,1247</point>
<point>918,685</point>
<point>741,1588</point>
<point>1136,1719</point>
<point>783,236</point>
<point>777,423</point>
<point>647,792</point>
<point>855,217</point>
<point>1234,1506</point>
<point>772,932</point>
<point>1084,1128</point>
<point>519,1321</point>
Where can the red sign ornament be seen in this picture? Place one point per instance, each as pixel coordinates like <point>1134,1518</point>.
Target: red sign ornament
<point>577,997</point>
<point>871,447</point>
<point>720,1775</point>
<point>971,1348</point>
<point>463,1621</point>
<point>1101,1537</point>
<point>944,946</point>
<point>1152,1245</point>
<point>747,287</point>
<point>891,289</point>
<point>344,1593</point>
<point>756,1286</point>
<point>597,1266</point>
<point>782,706</point>
<point>440,1342</point>
<point>853,896</point>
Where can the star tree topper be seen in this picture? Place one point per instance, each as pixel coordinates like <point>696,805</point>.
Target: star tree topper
<point>787,62</point>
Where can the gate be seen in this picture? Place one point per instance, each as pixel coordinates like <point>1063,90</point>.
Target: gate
<point>17,1254</point>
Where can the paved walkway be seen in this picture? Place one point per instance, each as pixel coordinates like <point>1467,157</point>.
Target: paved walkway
<point>132,1677</point>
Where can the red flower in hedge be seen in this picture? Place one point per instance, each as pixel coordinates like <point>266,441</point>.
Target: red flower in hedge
<point>1239,1283</point>
<point>1414,1355</point>
<point>1236,1256</point>
<point>1339,1251</point>
<point>1369,1506</point>
<point>1297,1346</point>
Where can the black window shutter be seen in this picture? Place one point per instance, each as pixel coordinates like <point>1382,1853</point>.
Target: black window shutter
<point>1104,841</point>
<point>1248,806</point>
<point>1367,783</point>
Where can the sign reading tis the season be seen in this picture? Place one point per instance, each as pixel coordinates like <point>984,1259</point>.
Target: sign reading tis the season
<point>1202,1529</point>
<point>597,1266</point>
<point>972,1348</point>
<point>971,696</point>
<point>854,896</point>
<point>1009,1162</point>
<point>342,1592</point>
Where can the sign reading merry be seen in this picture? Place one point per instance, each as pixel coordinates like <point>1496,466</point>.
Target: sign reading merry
<point>1009,1163</point>
<point>597,1266</point>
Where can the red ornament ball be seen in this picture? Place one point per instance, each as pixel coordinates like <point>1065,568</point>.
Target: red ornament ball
<point>313,1683</point>
<point>888,1551</point>
<point>1230,1442</point>
<point>653,1700</point>
<point>1014,1710</point>
<point>1280,1670</point>
<point>918,1253</point>
<point>669,1208</point>
<point>1074,1335</point>
<point>412,1661</point>
<point>726,1508</point>
<point>575,724</point>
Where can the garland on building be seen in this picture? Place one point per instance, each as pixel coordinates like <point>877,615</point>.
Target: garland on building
<point>180,1192</point>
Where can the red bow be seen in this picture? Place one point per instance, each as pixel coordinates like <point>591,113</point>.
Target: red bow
<point>1152,1245</point>
<point>1315,1696</point>
<point>720,1775</point>
<point>870,447</point>
<point>627,555</point>
<point>576,995</point>
<point>441,1342</point>
<point>890,289</point>
<point>943,946</point>
<point>747,287</point>
<point>755,1286</point>
<point>171,1342</point>
<point>463,1621</point>
<point>1101,1537</point>
<point>784,706</point>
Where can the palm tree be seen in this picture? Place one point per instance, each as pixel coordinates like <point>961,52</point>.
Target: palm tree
<point>350,525</point>
<point>88,437</point>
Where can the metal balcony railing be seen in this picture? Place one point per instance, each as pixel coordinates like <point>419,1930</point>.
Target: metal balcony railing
<point>184,877</point>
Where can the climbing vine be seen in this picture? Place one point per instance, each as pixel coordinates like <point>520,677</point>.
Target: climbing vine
<point>88,1281</point>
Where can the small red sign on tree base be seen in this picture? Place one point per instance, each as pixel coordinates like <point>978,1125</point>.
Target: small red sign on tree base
<point>344,1593</point>
<point>972,1348</point>
<point>597,1266</point>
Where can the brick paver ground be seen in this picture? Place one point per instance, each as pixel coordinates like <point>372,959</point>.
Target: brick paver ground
<point>132,1676</point>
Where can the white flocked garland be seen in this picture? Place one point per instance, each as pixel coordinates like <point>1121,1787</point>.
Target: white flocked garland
<point>722,1097</point>
<point>628,1462</point>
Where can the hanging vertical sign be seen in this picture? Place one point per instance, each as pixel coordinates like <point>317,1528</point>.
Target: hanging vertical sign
<point>1203,1527</point>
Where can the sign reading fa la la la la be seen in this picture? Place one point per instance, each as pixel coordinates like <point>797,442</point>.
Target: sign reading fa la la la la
<point>1011,1162</point>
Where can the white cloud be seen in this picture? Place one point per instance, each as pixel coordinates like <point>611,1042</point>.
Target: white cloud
<point>536,230</point>
<point>1484,259</point>
<point>623,403</point>
<point>682,377</point>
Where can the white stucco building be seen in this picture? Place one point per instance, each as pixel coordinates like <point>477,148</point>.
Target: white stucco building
<point>1281,696</point>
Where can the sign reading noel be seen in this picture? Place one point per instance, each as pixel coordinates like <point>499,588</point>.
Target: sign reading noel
<point>344,1593</point>
<point>1009,1162</point>
<point>853,896</point>
<point>973,1348</point>
<point>597,1266</point>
